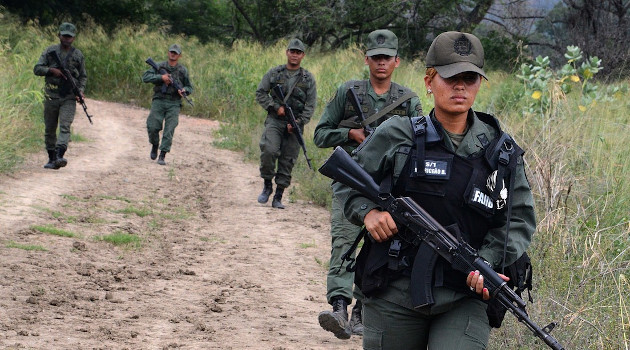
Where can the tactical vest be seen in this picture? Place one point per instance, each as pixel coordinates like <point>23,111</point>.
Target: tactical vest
<point>350,117</point>
<point>297,100</point>
<point>169,92</point>
<point>460,193</point>
<point>58,85</point>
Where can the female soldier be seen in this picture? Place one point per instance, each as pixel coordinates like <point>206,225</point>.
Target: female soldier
<point>464,171</point>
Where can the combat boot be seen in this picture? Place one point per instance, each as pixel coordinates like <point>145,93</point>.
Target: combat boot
<point>263,197</point>
<point>276,202</point>
<point>161,158</point>
<point>337,320</point>
<point>52,158</point>
<point>356,318</point>
<point>61,161</point>
<point>154,149</point>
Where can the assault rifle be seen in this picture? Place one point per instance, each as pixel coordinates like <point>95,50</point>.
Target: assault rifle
<point>462,257</point>
<point>289,112</point>
<point>356,104</point>
<point>75,88</point>
<point>175,83</point>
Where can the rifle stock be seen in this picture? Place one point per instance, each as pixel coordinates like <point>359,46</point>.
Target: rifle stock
<point>176,84</point>
<point>75,88</point>
<point>422,226</point>
<point>289,112</point>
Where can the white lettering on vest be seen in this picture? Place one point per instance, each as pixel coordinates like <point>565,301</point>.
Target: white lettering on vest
<point>483,199</point>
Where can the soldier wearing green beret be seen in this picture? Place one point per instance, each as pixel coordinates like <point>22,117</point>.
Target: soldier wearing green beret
<point>380,98</point>
<point>167,101</point>
<point>279,147</point>
<point>465,172</point>
<point>60,103</point>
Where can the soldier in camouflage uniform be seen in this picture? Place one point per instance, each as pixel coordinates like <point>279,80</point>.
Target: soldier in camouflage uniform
<point>60,103</point>
<point>380,99</point>
<point>469,175</point>
<point>167,101</point>
<point>279,148</point>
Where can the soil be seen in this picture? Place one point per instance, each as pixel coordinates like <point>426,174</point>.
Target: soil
<point>214,269</point>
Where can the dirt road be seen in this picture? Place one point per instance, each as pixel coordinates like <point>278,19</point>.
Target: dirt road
<point>214,269</point>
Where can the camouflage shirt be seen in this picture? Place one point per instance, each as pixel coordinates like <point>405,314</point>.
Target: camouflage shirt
<point>57,87</point>
<point>178,73</point>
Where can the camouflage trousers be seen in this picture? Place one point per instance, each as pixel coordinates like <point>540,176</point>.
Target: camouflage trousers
<point>339,281</point>
<point>58,113</point>
<point>279,151</point>
<point>164,113</point>
<point>461,323</point>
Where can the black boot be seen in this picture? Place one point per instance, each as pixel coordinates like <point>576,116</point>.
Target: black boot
<point>52,160</point>
<point>263,197</point>
<point>154,149</point>
<point>337,320</point>
<point>61,161</point>
<point>161,158</point>
<point>356,318</point>
<point>276,202</point>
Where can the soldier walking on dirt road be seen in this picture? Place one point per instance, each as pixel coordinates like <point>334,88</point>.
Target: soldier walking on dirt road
<point>60,102</point>
<point>167,101</point>
<point>279,146</point>
<point>379,98</point>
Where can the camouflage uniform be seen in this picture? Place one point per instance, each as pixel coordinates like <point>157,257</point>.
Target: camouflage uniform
<point>279,149</point>
<point>166,102</point>
<point>59,100</point>
<point>333,130</point>
<point>329,133</point>
<point>452,187</point>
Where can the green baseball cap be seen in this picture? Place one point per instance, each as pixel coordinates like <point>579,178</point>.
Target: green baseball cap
<point>296,44</point>
<point>452,53</point>
<point>67,29</point>
<point>175,48</point>
<point>382,42</point>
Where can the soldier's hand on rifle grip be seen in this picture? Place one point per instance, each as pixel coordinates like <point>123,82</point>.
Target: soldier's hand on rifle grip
<point>357,135</point>
<point>380,225</point>
<point>475,282</point>
<point>166,78</point>
<point>57,72</point>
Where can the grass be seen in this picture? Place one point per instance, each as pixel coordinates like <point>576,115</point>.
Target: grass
<point>576,161</point>
<point>29,247</point>
<point>121,239</point>
<point>54,231</point>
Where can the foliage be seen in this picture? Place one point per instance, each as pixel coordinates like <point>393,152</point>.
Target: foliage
<point>600,27</point>
<point>543,84</point>
<point>576,161</point>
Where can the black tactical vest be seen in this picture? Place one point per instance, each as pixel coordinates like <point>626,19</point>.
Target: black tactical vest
<point>452,189</point>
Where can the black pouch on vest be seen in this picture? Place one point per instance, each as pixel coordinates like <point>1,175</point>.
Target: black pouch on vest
<point>520,274</point>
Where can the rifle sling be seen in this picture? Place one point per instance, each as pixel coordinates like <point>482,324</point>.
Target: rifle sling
<point>290,91</point>
<point>374,117</point>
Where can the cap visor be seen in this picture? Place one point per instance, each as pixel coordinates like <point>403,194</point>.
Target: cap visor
<point>381,51</point>
<point>67,33</point>
<point>452,69</point>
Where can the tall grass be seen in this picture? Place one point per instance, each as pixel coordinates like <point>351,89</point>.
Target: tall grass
<point>576,161</point>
